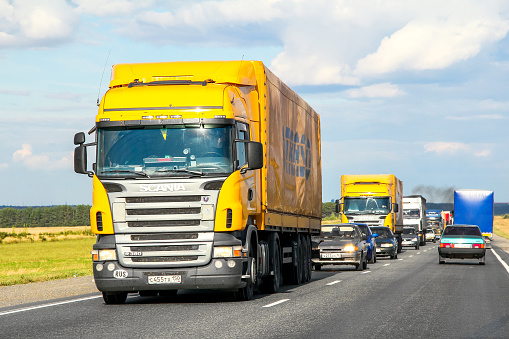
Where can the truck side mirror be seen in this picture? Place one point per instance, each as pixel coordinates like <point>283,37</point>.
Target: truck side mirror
<point>80,159</point>
<point>396,208</point>
<point>80,155</point>
<point>254,152</point>
<point>79,138</point>
<point>338,206</point>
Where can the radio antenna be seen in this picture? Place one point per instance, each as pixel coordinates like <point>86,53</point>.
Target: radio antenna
<point>102,76</point>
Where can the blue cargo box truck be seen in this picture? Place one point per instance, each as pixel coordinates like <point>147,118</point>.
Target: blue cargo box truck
<point>475,207</point>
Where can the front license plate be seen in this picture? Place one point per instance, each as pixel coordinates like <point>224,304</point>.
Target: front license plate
<point>165,279</point>
<point>462,246</point>
<point>378,250</point>
<point>331,255</point>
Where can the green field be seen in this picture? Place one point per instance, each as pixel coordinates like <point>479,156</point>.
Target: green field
<point>41,261</point>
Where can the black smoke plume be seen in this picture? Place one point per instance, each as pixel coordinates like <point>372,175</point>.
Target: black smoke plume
<point>435,194</point>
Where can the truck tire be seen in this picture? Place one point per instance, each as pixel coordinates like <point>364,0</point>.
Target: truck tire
<point>306,269</point>
<point>114,298</point>
<point>246,293</point>
<point>309,261</point>
<point>272,282</point>
<point>294,272</point>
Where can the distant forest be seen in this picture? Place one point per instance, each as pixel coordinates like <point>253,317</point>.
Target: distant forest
<point>62,215</point>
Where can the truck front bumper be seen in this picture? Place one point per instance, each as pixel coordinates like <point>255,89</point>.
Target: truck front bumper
<point>220,273</point>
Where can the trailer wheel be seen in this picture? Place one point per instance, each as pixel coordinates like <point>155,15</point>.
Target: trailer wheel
<point>296,266</point>
<point>114,298</point>
<point>309,262</point>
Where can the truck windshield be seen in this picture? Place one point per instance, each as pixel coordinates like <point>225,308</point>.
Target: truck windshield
<point>411,214</point>
<point>164,151</point>
<point>365,205</point>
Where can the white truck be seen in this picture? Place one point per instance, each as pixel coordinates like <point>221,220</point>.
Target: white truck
<point>414,215</point>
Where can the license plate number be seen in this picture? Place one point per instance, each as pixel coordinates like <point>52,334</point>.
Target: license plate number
<point>165,279</point>
<point>331,255</point>
<point>462,246</point>
<point>378,250</point>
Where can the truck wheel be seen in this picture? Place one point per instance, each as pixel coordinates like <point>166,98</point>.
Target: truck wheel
<point>309,261</point>
<point>296,266</point>
<point>114,298</point>
<point>305,258</point>
<point>271,283</point>
<point>246,293</point>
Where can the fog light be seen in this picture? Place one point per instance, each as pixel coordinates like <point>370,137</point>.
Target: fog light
<point>99,267</point>
<point>231,263</point>
<point>111,267</point>
<point>218,264</point>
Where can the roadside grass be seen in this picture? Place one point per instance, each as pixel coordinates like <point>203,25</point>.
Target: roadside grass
<point>34,234</point>
<point>27,262</point>
<point>501,226</point>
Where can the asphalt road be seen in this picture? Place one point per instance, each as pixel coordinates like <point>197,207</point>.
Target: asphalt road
<point>411,297</point>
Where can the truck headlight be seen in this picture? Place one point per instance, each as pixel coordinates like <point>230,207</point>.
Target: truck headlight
<point>227,252</point>
<point>386,245</point>
<point>102,255</point>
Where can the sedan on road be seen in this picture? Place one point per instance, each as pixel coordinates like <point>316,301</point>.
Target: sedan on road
<point>386,242</point>
<point>430,235</point>
<point>410,238</point>
<point>340,244</point>
<point>462,242</point>
<point>370,240</point>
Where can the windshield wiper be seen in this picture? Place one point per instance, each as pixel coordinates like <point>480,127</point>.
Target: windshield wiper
<point>181,170</point>
<point>143,174</point>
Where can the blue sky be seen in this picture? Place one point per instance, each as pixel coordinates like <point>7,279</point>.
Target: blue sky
<point>414,88</point>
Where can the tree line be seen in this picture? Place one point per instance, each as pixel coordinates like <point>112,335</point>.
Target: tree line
<point>63,215</point>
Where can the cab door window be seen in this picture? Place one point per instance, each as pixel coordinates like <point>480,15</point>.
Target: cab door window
<point>242,134</point>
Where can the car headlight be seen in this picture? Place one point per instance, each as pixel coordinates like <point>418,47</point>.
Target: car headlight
<point>387,245</point>
<point>227,252</point>
<point>350,248</point>
<point>102,255</point>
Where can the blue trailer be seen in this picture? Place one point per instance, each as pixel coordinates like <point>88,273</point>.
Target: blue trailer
<point>475,207</point>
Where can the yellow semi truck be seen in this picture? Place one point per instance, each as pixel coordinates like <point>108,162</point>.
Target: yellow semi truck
<point>372,199</point>
<point>207,176</point>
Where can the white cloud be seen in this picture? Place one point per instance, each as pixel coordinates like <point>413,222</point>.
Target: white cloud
<point>32,23</point>
<point>113,8</point>
<point>451,148</point>
<point>41,162</point>
<point>437,40</point>
<point>3,166</point>
<point>385,90</point>
<point>476,117</point>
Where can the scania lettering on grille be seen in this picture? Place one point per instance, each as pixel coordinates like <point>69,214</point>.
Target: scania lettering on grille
<point>161,187</point>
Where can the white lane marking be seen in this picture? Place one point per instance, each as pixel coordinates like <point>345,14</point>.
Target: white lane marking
<point>366,272</point>
<point>276,303</point>
<point>410,256</point>
<point>418,253</point>
<point>500,259</point>
<point>49,305</point>
<point>333,283</point>
<point>400,259</point>
<point>386,264</point>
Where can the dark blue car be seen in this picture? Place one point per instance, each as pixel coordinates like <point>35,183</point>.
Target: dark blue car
<point>370,240</point>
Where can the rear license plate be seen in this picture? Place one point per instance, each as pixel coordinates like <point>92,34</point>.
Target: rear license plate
<point>462,246</point>
<point>331,255</point>
<point>165,279</point>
